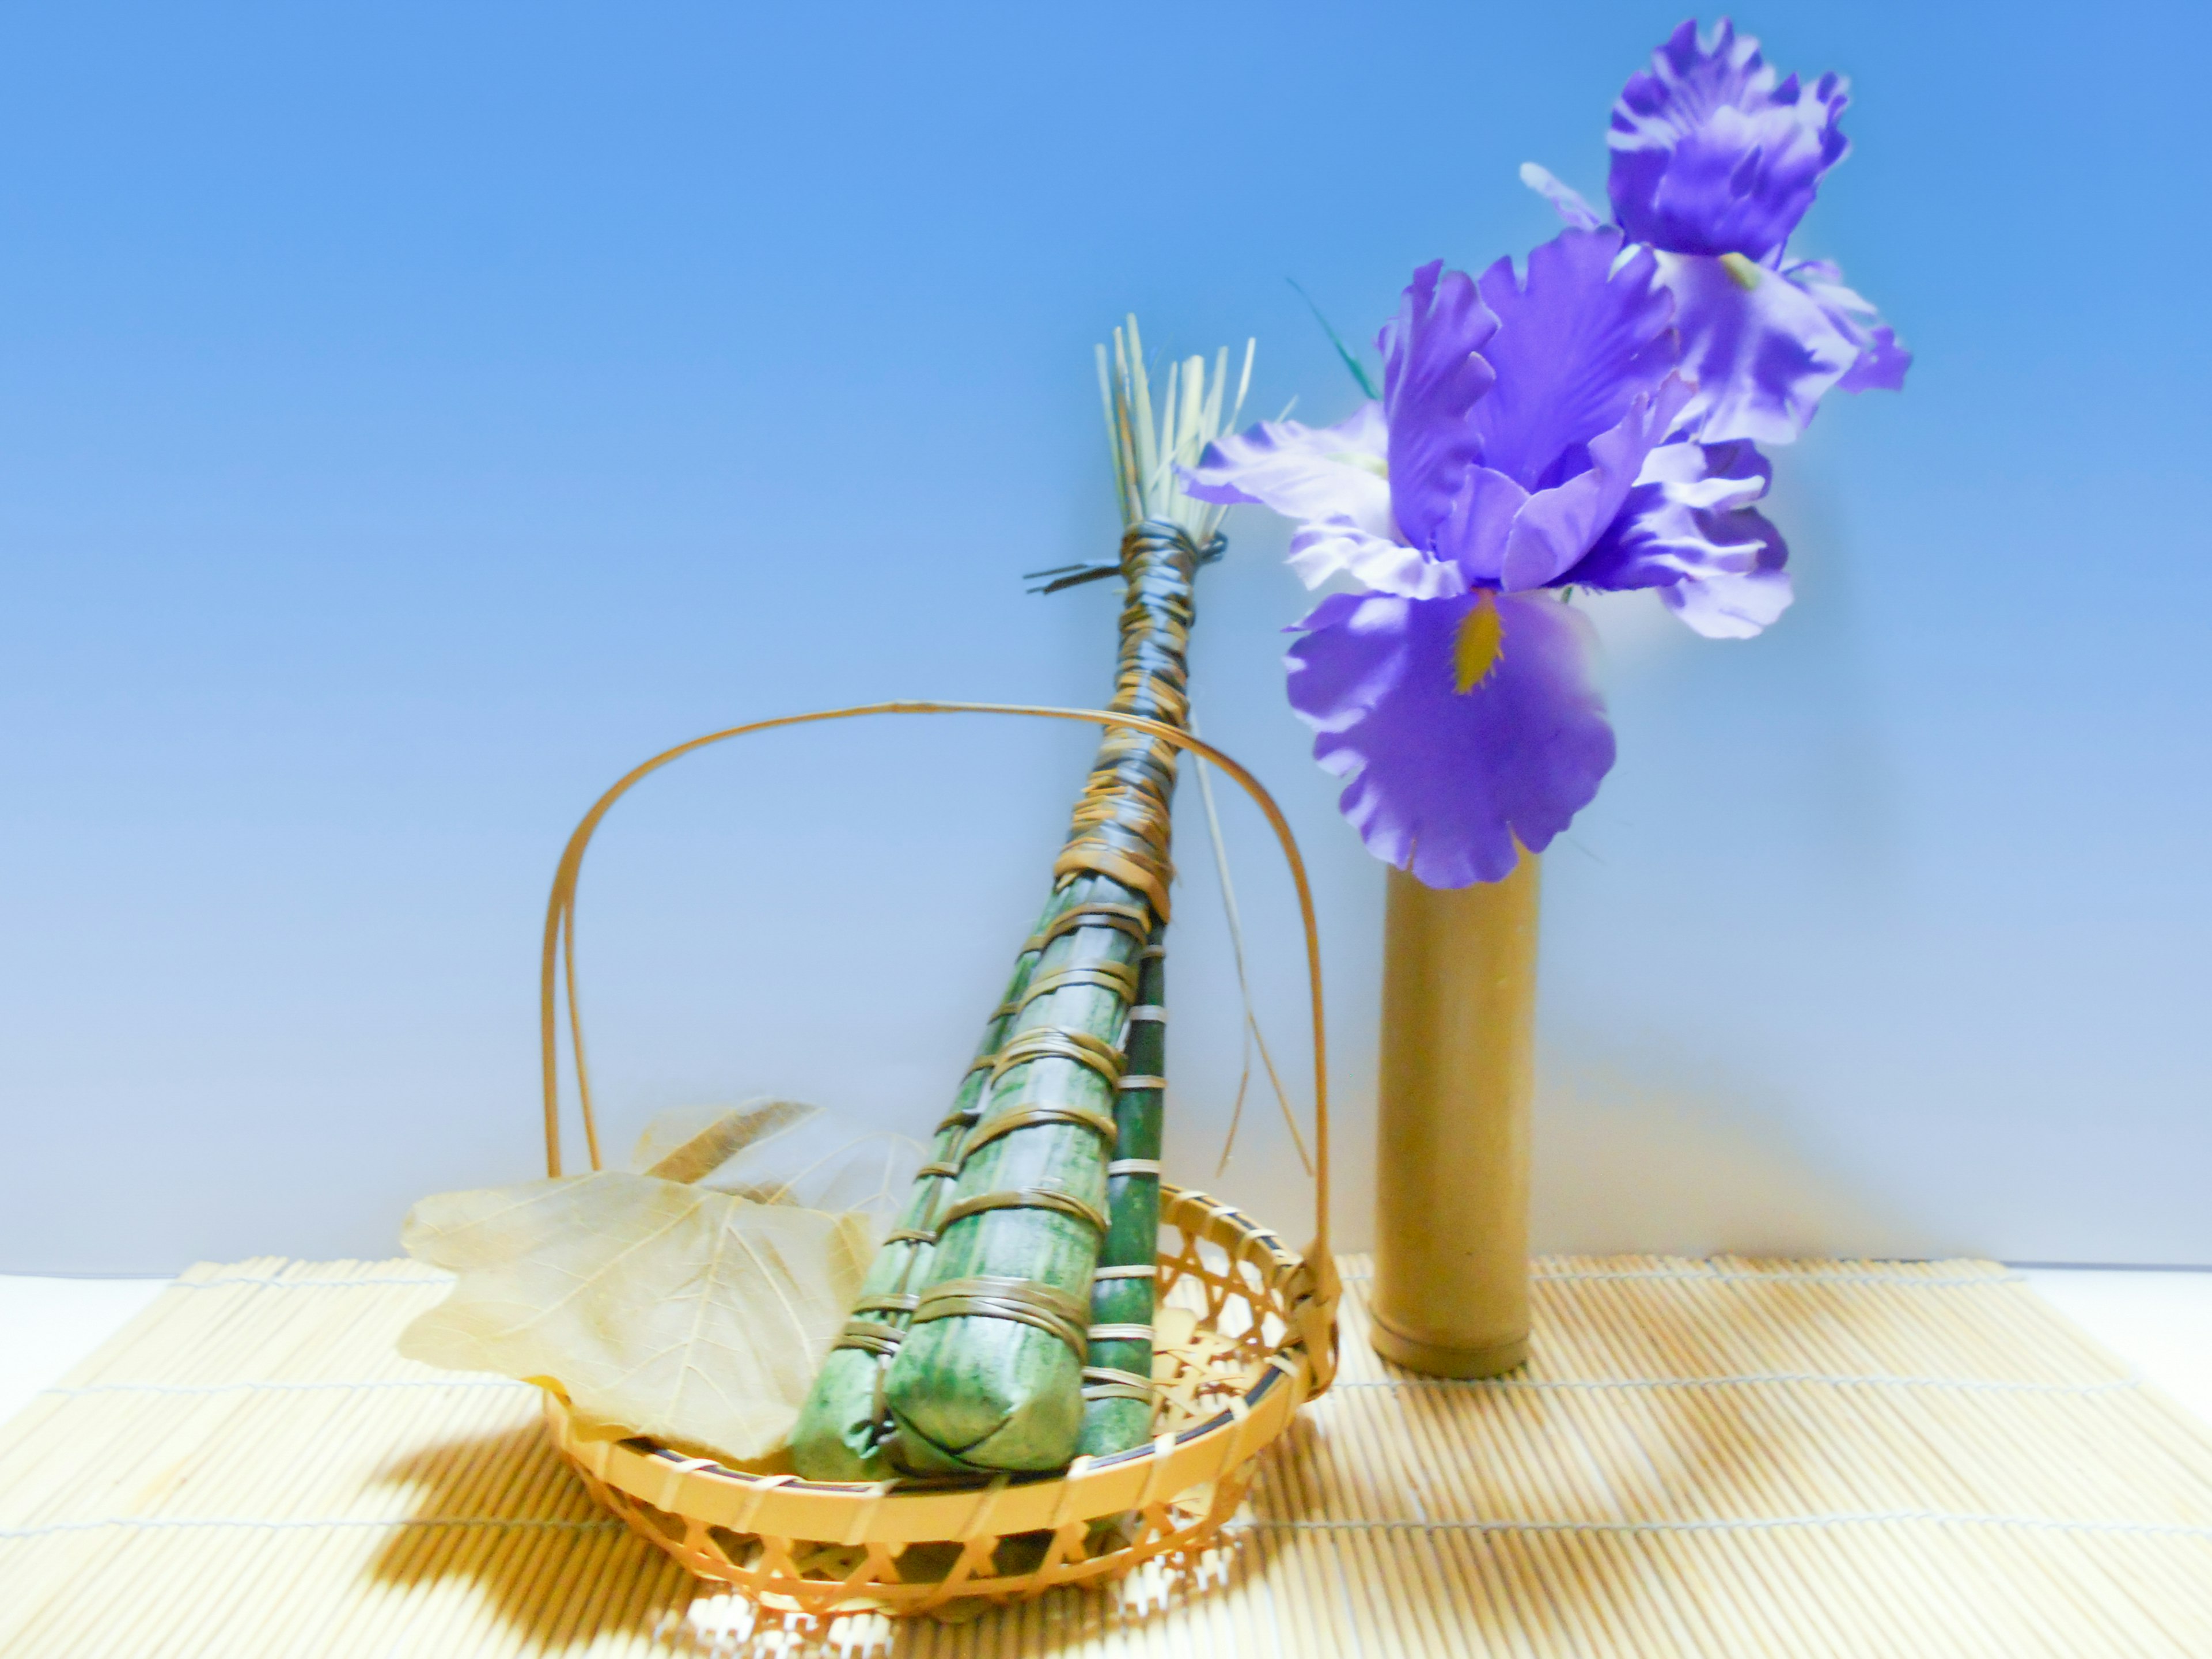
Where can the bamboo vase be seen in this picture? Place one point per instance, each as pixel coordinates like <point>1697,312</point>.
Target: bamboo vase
<point>1459,1003</point>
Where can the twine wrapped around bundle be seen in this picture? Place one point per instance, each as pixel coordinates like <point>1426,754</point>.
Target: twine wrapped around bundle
<point>1006,1323</point>
<point>976,1385</point>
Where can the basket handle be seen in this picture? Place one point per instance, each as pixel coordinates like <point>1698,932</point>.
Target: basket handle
<point>561,909</point>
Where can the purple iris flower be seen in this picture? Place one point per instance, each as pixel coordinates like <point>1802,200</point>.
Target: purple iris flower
<point>1691,530</point>
<point>1519,449</point>
<point>1714,162</point>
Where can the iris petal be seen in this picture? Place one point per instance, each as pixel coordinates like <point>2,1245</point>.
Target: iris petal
<point>1728,605</point>
<point>1432,376</point>
<point>1558,525</point>
<point>1711,154</point>
<point>1691,530</point>
<point>1882,362</point>
<point>1567,201</point>
<point>1580,354</point>
<point>1473,538</point>
<point>1580,334</point>
<point>1302,471</point>
<point>1443,783</point>
<point>1762,350</point>
<point>1336,547</point>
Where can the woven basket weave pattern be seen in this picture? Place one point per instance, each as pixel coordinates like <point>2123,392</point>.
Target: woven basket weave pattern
<point>1243,1318</point>
<point>1260,1341</point>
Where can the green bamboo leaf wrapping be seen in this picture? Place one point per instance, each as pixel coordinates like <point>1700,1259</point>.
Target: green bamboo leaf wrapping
<point>1118,1406</point>
<point>978,1388</point>
<point>999,1386</point>
<point>988,1392</point>
<point>838,1436</point>
<point>967,1345</point>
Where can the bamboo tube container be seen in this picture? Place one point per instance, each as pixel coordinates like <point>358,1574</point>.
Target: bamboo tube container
<point>1458,1072</point>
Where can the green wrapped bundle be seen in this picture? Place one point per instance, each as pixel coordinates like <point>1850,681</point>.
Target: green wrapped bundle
<point>1118,1400</point>
<point>970,1345</point>
<point>990,1374</point>
<point>840,1433</point>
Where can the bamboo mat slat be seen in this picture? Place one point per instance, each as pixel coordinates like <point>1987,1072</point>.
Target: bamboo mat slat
<point>1723,1457</point>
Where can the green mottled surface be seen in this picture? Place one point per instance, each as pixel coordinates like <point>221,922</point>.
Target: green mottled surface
<point>1133,1201</point>
<point>977,1390</point>
<point>992,1392</point>
<point>838,1435</point>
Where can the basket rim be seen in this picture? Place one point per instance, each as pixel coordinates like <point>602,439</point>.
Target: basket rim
<point>1298,1365</point>
<point>1214,1213</point>
<point>559,948</point>
<point>1206,1462</point>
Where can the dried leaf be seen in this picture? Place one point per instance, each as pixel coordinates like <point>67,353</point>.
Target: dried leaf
<point>864,1175</point>
<point>688,1143</point>
<point>697,1316</point>
<point>778,1152</point>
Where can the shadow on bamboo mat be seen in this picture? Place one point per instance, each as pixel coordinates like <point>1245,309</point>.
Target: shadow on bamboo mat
<point>1723,1457</point>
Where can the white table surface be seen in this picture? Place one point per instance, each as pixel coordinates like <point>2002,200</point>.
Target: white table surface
<point>2159,1322</point>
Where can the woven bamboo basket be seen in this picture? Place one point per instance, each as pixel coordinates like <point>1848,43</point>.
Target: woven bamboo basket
<point>1247,1334</point>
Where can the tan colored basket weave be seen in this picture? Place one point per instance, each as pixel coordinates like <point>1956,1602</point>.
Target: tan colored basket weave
<point>1247,1333</point>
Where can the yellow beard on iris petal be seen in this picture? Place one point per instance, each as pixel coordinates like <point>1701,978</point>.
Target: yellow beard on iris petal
<point>1476,650</point>
<point>1743,272</point>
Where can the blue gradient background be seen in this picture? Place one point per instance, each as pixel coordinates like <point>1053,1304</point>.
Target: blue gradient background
<point>411,415</point>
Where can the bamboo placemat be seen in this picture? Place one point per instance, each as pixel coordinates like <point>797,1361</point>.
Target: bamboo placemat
<point>1723,1457</point>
